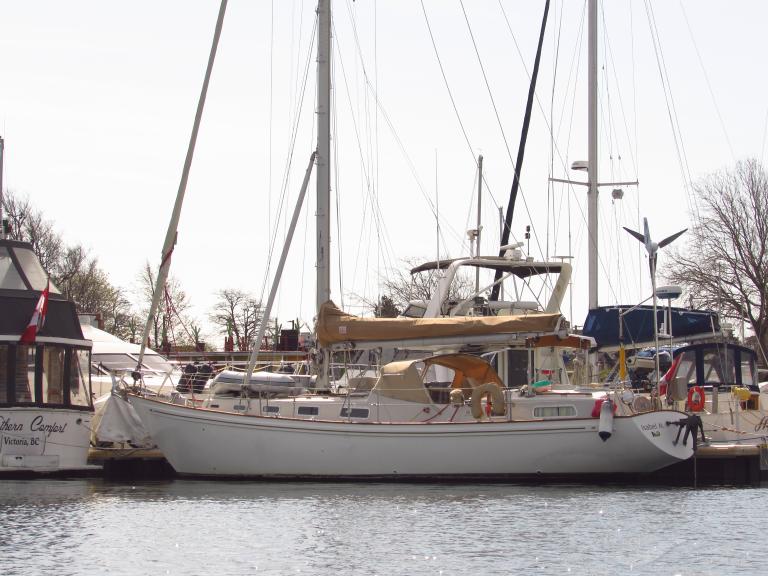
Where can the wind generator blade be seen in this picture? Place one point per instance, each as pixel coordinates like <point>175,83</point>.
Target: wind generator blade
<point>671,238</point>
<point>637,235</point>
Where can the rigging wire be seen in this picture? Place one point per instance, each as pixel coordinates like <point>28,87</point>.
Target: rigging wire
<point>390,124</point>
<point>371,198</point>
<point>709,84</point>
<point>551,185</point>
<point>289,161</point>
<point>671,110</point>
<point>487,84</point>
<point>563,162</point>
<point>573,73</point>
<point>638,248</point>
<point>612,137</point>
<point>445,80</point>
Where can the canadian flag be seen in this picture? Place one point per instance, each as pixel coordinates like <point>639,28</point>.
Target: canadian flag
<point>38,318</point>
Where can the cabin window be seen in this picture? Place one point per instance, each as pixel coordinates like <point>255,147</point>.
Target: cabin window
<point>719,366</point>
<point>308,411</point>
<point>33,270</point>
<point>747,370</point>
<point>354,412</point>
<point>24,373</point>
<point>554,411</point>
<point>4,369</point>
<point>270,409</point>
<point>53,375</point>
<point>686,368</point>
<point>9,277</point>
<point>79,378</point>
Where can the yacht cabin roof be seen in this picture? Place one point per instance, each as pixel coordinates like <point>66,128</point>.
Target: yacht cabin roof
<point>22,280</point>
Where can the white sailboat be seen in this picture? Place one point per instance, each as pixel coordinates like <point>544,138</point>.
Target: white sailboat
<point>414,422</point>
<point>403,429</point>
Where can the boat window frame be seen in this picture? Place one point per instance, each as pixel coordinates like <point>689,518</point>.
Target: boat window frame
<point>37,386</point>
<point>308,410</point>
<point>347,412</point>
<point>16,280</point>
<point>558,406</point>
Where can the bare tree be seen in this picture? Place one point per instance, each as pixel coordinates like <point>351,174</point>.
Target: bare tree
<point>725,265</point>
<point>171,322</point>
<point>80,279</point>
<point>27,224</point>
<point>70,268</point>
<point>240,314</point>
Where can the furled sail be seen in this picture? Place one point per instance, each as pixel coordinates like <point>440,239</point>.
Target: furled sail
<point>335,326</point>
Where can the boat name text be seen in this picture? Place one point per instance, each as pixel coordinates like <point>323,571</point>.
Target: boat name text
<point>6,425</point>
<point>38,424</point>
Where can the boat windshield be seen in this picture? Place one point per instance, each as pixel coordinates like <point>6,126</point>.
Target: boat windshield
<point>123,362</point>
<point>114,362</point>
<point>9,277</point>
<point>33,270</point>
<point>415,310</point>
<point>157,363</point>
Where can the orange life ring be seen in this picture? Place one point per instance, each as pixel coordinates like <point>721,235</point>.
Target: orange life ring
<point>696,399</point>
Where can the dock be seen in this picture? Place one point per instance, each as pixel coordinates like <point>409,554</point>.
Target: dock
<point>131,463</point>
<point>719,465</point>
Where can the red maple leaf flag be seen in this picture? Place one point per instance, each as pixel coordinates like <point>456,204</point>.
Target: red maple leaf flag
<point>38,318</point>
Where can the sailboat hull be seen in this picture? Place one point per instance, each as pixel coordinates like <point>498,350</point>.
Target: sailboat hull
<point>210,443</point>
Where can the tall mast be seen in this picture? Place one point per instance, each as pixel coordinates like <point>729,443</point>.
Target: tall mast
<point>323,152</point>
<point>592,179</point>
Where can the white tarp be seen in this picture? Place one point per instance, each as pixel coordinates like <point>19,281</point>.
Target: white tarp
<point>117,421</point>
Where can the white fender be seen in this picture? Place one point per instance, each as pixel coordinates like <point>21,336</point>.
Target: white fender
<point>605,428</point>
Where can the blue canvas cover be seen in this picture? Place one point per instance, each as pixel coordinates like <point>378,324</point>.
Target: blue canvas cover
<point>602,324</point>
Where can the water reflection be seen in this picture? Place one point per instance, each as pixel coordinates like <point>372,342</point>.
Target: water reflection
<point>196,527</point>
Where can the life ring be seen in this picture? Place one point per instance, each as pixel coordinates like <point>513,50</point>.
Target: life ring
<point>496,399</point>
<point>696,399</point>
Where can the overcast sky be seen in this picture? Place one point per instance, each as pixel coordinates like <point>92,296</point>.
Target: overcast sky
<point>97,101</point>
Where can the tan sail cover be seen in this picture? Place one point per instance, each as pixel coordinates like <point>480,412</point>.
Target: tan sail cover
<point>334,326</point>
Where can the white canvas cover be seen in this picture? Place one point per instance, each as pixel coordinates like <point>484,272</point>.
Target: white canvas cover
<point>117,421</point>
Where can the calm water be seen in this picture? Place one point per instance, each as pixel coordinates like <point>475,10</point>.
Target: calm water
<point>207,528</point>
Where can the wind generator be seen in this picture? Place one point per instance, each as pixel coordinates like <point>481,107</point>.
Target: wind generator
<point>652,248</point>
